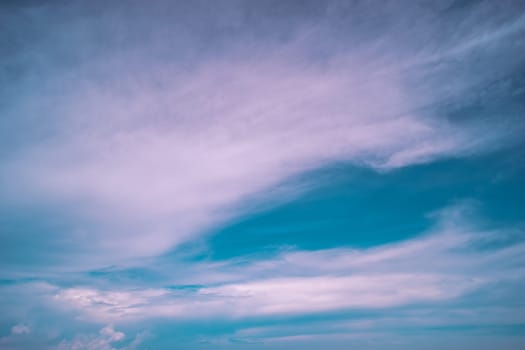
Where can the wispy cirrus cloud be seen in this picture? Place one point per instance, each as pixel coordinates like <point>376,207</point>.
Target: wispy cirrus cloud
<point>158,154</point>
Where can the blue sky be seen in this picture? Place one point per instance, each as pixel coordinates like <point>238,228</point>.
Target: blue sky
<point>262,175</point>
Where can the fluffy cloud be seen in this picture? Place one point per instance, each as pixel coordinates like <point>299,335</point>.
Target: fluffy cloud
<point>20,329</point>
<point>105,340</point>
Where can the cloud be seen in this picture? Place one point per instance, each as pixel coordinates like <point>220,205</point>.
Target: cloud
<point>243,128</point>
<point>452,260</point>
<point>111,334</point>
<point>286,295</point>
<point>127,131</point>
<point>20,335</point>
<point>103,341</point>
<point>314,294</point>
<point>20,329</point>
<point>147,155</point>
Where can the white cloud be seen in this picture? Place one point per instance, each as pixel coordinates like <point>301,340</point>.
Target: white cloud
<point>286,295</point>
<point>177,159</point>
<point>106,339</point>
<point>315,294</point>
<point>112,335</point>
<point>20,335</point>
<point>20,329</point>
<point>141,154</point>
<point>108,305</point>
<point>147,153</point>
<point>446,263</point>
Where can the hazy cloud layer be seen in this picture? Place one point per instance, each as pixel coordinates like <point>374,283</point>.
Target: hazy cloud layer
<point>130,134</point>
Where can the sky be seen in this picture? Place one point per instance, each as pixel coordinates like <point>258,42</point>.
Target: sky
<point>262,175</point>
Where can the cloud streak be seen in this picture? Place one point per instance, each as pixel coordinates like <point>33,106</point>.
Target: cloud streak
<point>449,262</point>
